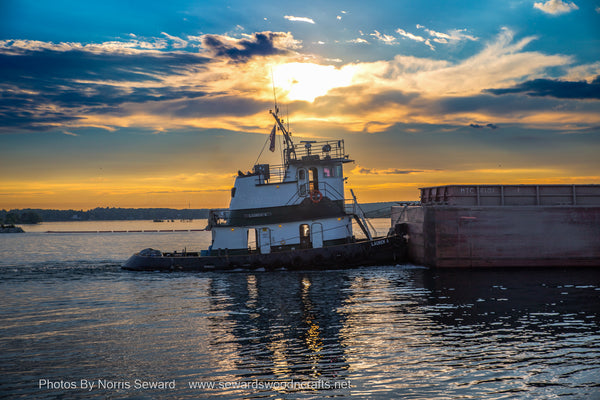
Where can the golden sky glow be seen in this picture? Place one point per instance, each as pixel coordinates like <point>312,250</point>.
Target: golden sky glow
<point>166,120</point>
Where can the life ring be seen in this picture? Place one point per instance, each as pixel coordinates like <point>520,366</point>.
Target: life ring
<point>316,196</point>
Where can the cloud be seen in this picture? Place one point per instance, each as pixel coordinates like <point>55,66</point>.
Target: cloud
<point>402,32</point>
<point>49,85</point>
<point>178,43</point>
<point>454,35</point>
<point>585,72</point>
<point>135,46</point>
<point>227,85</point>
<point>200,107</point>
<point>502,60</point>
<point>258,44</point>
<point>299,19</point>
<point>391,171</point>
<point>556,7</point>
<point>46,85</point>
<point>416,38</point>
<point>555,88</point>
<point>111,84</point>
<point>425,90</point>
<point>387,39</point>
<point>477,126</point>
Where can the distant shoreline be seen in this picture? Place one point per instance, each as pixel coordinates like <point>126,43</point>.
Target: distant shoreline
<point>372,210</point>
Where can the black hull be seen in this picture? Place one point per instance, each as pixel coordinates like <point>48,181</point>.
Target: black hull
<point>379,251</point>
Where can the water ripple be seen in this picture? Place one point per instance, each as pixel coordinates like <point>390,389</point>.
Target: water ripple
<point>391,332</point>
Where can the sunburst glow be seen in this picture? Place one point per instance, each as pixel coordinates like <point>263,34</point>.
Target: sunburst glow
<point>307,81</point>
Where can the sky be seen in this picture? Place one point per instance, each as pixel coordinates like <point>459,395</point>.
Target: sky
<point>159,104</point>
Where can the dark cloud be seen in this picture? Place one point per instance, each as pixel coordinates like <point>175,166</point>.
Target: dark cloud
<point>491,126</point>
<point>76,82</point>
<point>22,119</point>
<point>555,88</point>
<point>343,100</point>
<point>207,106</point>
<point>511,105</point>
<point>56,65</point>
<point>261,44</point>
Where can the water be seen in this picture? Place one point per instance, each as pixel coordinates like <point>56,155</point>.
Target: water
<point>70,316</point>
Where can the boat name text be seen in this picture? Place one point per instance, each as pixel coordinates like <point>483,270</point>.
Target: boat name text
<point>258,215</point>
<point>379,242</point>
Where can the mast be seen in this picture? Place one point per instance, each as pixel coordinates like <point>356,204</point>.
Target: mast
<point>289,144</point>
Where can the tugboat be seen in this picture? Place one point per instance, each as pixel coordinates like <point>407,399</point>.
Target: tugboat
<point>288,216</point>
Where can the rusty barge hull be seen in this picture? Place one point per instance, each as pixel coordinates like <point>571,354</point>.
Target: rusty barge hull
<point>504,226</point>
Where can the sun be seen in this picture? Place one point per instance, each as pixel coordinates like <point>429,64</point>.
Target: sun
<point>307,81</point>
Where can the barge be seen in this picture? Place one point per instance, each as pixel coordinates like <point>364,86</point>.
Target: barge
<point>290,216</point>
<point>504,226</point>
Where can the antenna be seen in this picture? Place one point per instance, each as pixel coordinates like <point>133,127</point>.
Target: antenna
<point>287,112</point>
<point>289,144</point>
<point>274,93</point>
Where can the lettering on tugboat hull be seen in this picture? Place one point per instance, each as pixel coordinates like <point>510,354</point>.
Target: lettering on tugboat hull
<point>379,242</point>
<point>258,215</point>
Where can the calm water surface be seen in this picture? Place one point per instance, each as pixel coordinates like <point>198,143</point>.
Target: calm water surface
<point>69,316</point>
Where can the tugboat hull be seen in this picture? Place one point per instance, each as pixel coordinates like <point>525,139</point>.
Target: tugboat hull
<point>379,251</point>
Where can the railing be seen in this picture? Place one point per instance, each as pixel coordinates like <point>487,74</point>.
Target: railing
<point>326,189</point>
<point>325,150</point>
<point>350,207</point>
<point>266,173</point>
<point>511,195</point>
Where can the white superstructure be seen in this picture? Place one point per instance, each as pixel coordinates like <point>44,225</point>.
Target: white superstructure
<point>299,204</point>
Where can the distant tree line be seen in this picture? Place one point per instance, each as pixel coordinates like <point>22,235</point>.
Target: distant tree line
<point>34,216</point>
<point>19,217</point>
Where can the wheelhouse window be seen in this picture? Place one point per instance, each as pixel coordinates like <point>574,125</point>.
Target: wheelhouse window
<point>328,172</point>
